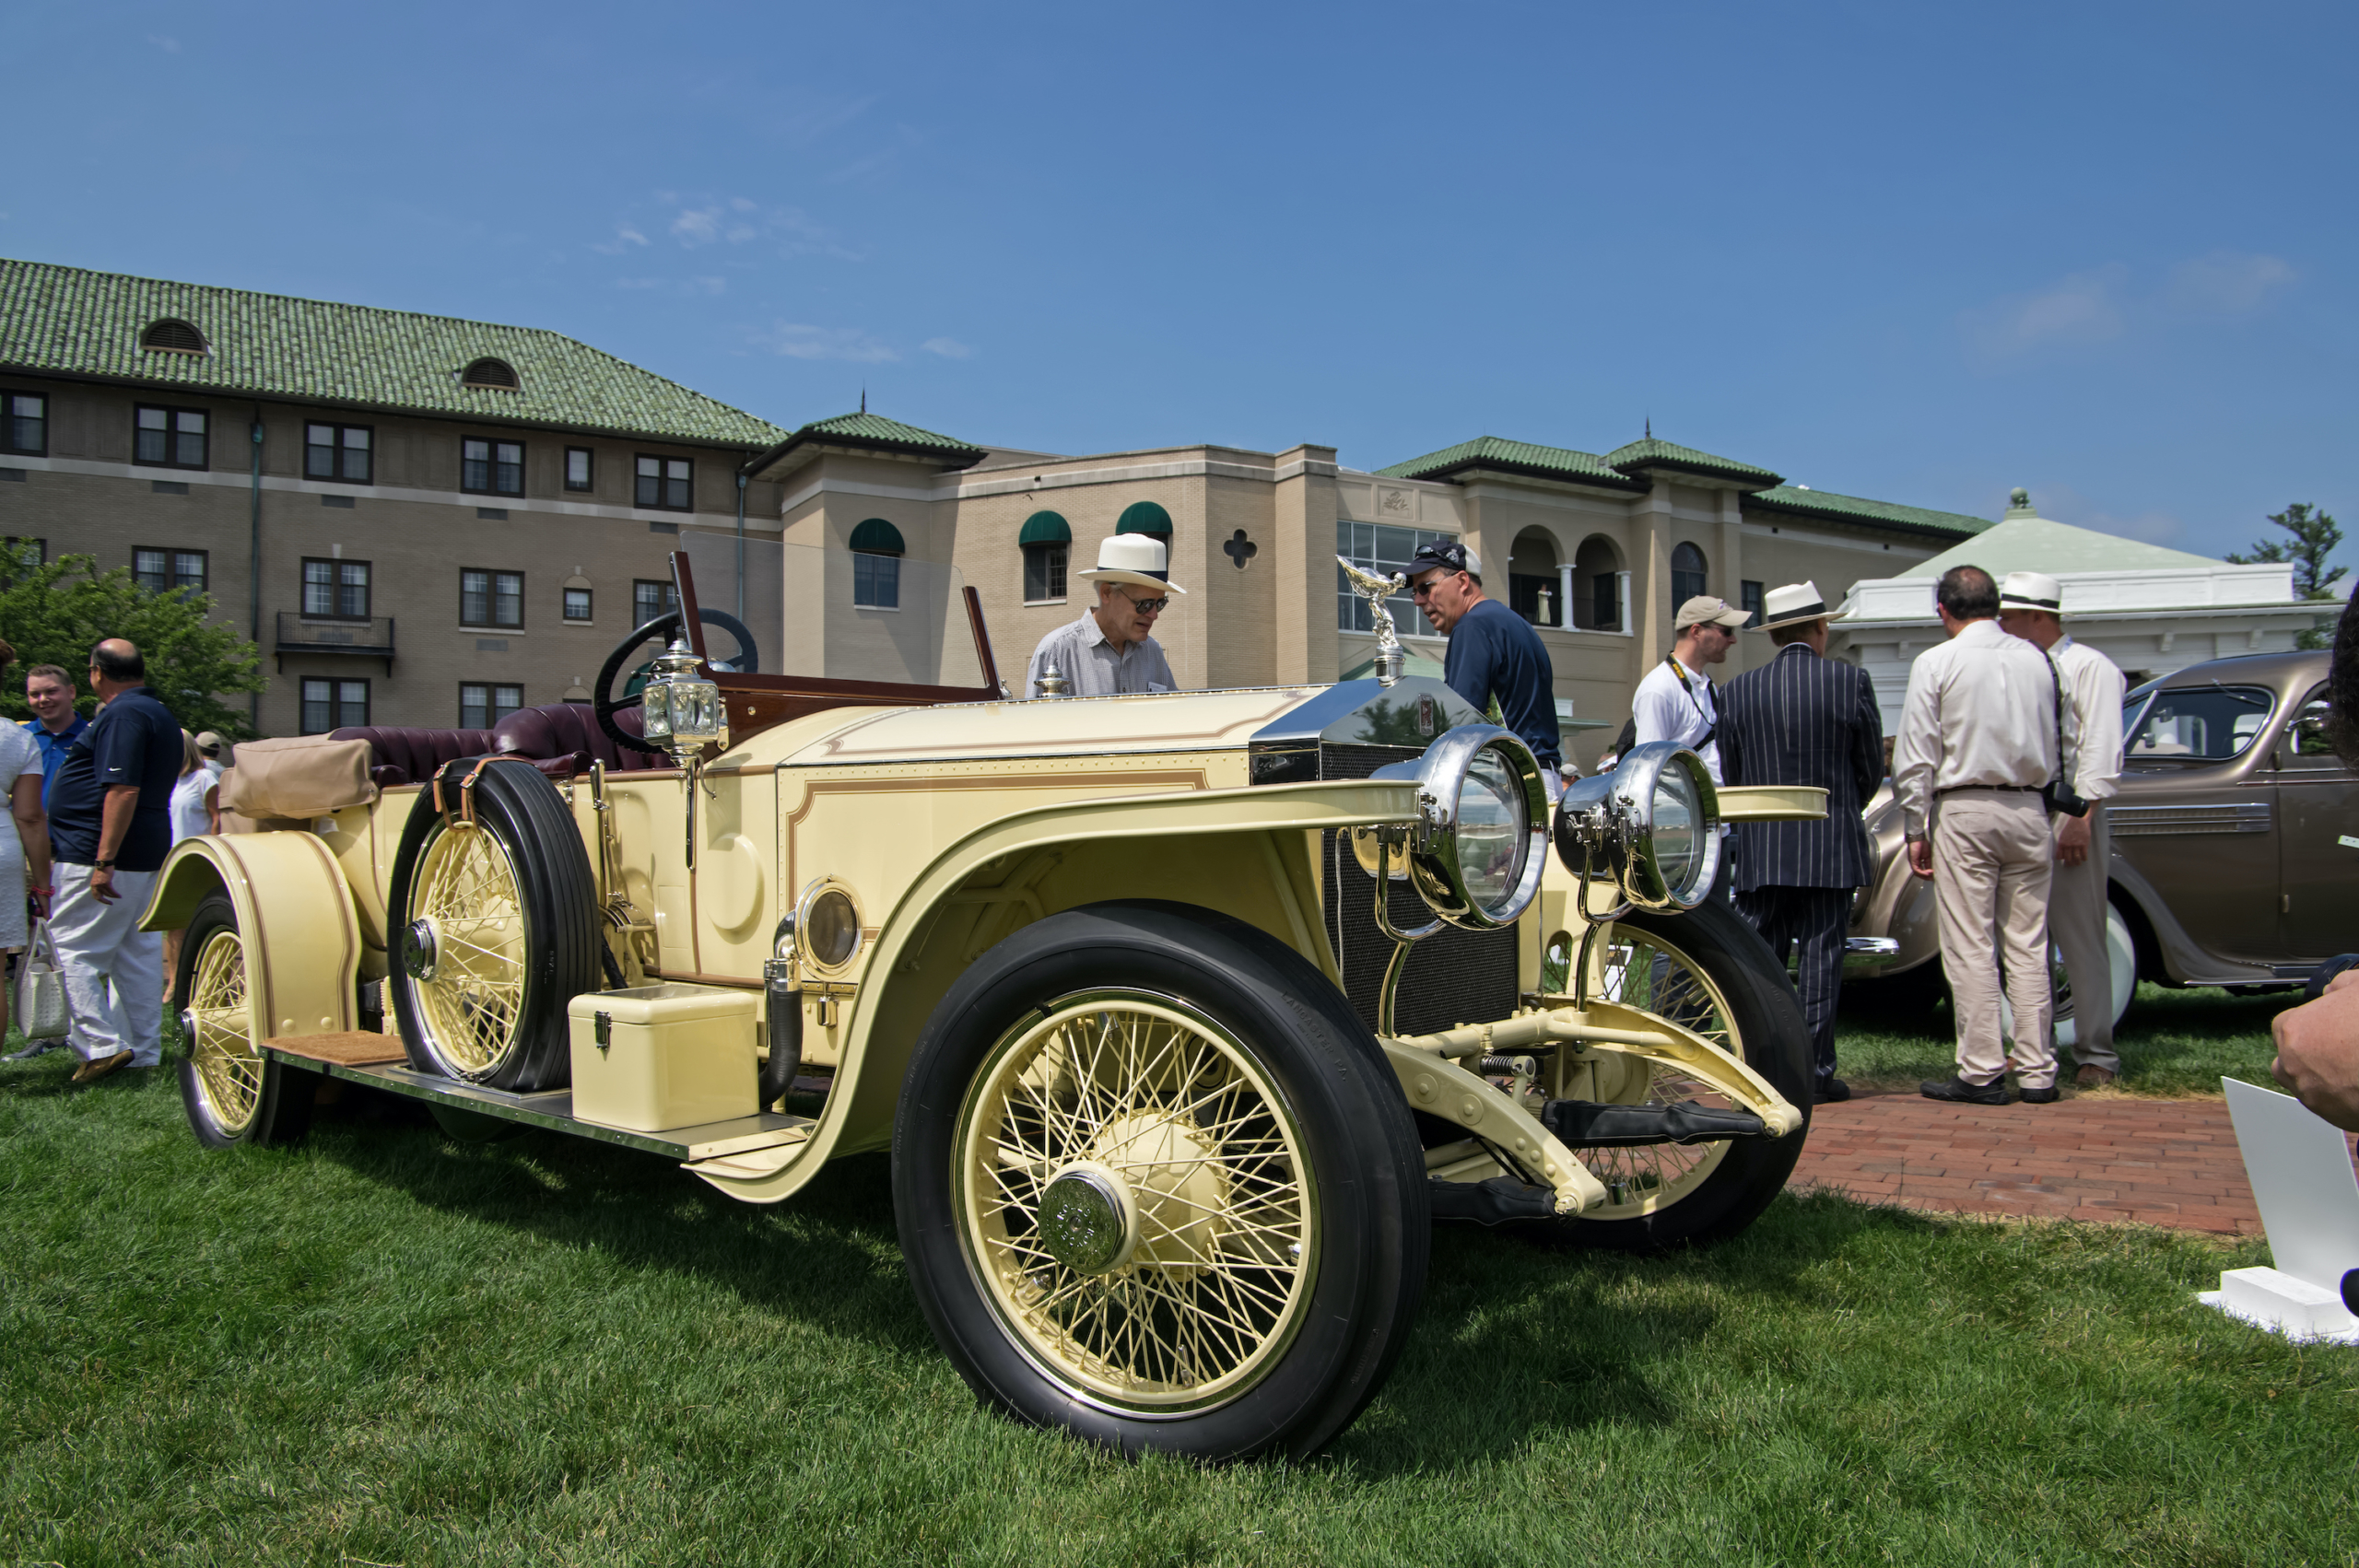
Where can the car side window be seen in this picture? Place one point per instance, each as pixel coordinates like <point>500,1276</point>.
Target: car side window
<point>2306,745</point>
<point>2210,723</point>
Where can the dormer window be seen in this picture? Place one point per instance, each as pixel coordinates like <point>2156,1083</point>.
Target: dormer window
<point>172,335</point>
<point>496,374</point>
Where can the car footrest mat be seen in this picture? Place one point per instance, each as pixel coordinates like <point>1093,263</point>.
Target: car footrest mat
<point>1581,1124</point>
<point>1492,1202</point>
<point>351,1048</point>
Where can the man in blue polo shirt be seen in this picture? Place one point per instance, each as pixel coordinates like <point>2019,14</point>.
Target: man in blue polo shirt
<point>54,726</point>
<point>1494,652</point>
<point>109,826</point>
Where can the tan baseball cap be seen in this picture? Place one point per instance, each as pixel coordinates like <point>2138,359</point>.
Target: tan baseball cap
<point>1703,608</point>
<point>208,742</point>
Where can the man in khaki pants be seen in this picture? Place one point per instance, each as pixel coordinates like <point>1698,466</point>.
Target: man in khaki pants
<point>1978,740</point>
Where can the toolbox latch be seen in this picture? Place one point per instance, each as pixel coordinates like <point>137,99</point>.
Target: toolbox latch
<point>601,1029</point>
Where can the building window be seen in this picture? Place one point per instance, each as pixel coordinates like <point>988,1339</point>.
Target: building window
<point>484,704</point>
<point>577,470</point>
<point>665,483</point>
<point>170,438</point>
<point>1044,573</point>
<point>169,571</point>
<point>1749,598</point>
<point>1380,549</point>
<point>25,431</point>
<point>650,598</point>
<point>336,451</point>
<point>496,374</point>
<point>336,591</point>
<point>333,705</point>
<point>1604,602</point>
<point>1687,575</point>
<point>876,551</point>
<point>577,603</point>
<point>173,336</point>
<point>492,599</point>
<point>491,468</point>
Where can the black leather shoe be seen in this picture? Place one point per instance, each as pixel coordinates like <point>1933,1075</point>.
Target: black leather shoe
<point>2039,1096</point>
<point>1830,1092</point>
<point>1960,1092</point>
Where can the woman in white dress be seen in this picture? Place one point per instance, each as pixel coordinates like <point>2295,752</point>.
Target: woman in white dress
<point>24,843</point>
<point>196,810</point>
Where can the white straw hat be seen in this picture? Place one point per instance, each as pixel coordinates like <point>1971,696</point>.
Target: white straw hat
<point>1131,557</point>
<point>1792,605</point>
<point>2033,591</point>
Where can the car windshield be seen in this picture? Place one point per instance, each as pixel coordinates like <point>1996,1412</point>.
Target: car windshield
<point>2199,723</point>
<point>869,614</point>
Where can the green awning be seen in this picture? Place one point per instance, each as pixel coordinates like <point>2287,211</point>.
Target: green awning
<point>877,537</point>
<point>1045,528</point>
<point>1144,517</point>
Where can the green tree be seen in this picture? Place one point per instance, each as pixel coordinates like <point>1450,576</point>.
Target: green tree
<point>2315,538</point>
<point>54,613</point>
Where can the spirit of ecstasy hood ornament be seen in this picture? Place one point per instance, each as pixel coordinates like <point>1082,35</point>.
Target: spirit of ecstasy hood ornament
<point>1391,659</point>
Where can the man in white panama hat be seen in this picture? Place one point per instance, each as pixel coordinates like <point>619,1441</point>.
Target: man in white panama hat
<point>2031,606</point>
<point>1111,651</point>
<point>1805,718</point>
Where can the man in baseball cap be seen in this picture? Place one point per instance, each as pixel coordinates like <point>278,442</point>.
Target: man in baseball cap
<point>1678,701</point>
<point>2031,606</point>
<point>1494,653</point>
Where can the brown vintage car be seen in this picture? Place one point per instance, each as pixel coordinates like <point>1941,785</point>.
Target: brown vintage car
<point>2236,842</point>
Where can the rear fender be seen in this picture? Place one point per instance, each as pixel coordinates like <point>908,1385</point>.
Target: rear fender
<point>1033,863</point>
<point>295,913</point>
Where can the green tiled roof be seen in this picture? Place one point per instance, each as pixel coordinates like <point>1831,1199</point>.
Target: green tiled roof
<point>866,429</point>
<point>2042,544</point>
<point>1852,508</point>
<point>1516,457</point>
<point>73,322</point>
<point>1651,453</point>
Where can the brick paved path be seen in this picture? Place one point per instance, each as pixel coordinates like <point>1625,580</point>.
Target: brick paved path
<point>2165,1162</point>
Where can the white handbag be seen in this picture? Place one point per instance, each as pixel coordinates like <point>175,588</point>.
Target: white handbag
<point>41,1007</point>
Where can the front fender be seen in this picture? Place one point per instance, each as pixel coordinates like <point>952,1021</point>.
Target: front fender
<point>295,914</point>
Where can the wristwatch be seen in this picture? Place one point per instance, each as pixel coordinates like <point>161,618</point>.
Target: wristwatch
<point>102,865</point>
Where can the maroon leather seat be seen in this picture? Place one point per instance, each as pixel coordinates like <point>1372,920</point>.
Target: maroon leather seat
<point>561,739</point>
<point>569,730</point>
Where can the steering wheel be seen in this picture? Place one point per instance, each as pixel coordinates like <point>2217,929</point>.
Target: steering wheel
<point>746,661</point>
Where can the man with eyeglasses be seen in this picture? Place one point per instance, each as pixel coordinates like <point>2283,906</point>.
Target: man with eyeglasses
<point>1494,653</point>
<point>1111,651</point>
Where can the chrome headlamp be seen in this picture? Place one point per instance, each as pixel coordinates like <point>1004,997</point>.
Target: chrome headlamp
<point>1478,856</point>
<point>1653,824</point>
<point>679,709</point>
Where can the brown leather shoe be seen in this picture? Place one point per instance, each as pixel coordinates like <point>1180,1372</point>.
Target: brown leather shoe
<point>91,1071</point>
<point>2091,1076</point>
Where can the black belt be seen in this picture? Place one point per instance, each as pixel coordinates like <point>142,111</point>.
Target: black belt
<point>2009,789</point>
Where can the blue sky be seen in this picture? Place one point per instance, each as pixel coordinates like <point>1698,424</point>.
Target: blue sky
<point>1913,252</point>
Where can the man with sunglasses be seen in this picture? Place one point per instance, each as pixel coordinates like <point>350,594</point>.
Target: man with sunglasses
<point>1111,649</point>
<point>1494,653</point>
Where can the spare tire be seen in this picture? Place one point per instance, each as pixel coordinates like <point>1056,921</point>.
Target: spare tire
<point>492,928</point>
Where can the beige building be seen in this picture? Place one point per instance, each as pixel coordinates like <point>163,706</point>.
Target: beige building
<point>452,519</point>
<point>1596,551</point>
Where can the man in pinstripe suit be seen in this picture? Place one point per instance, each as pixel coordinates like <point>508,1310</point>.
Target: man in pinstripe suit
<point>1805,718</point>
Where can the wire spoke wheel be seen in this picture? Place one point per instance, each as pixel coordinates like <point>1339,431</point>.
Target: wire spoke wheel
<point>468,893</point>
<point>1135,1195</point>
<point>1645,971</point>
<point>220,1043</point>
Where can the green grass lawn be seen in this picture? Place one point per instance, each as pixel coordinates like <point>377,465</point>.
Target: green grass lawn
<point>2171,1042</point>
<point>384,1347</point>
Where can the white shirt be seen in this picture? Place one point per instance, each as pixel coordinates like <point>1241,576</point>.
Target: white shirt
<point>190,819</point>
<point>1093,667</point>
<point>1981,712</point>
<point>1675,702</point>
<point>2096,686</point>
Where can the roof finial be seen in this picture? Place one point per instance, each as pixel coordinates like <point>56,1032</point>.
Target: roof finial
<point>863,399</point>
<point>1651,426</point>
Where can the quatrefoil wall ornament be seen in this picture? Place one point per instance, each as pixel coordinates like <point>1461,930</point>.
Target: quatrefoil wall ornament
<point>1241,549</point>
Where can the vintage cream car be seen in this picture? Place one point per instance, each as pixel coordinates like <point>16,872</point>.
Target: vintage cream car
<point>1182,1015</point>
<point>2233,854</point>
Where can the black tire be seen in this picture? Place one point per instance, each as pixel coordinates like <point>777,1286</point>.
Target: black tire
<point>1334,1109</point>
<point>1765,1021</point>
<point>508,1031</point>
<point>232,1094</point>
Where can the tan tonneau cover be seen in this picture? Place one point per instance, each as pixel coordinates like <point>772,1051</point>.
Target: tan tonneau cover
<point>305,776</point>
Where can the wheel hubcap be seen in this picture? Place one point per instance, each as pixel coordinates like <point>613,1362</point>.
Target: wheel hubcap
<point>417,954</point>
<point>1086,1221</point>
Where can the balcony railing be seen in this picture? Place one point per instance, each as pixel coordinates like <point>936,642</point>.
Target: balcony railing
<point>371,639</point>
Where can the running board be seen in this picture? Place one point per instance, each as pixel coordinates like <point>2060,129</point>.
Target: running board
<point>1580,1124</point>
<point>552,1109</point>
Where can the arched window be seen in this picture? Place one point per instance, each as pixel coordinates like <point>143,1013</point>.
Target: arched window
<point>497,374</point>
<point>1597,585</point>
<point>1534,591</point>
<point>1047,544</point>
<point>1687,575</point>
<point>172,335</point>
<point>877,552</point>
<point>1146,517</point>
